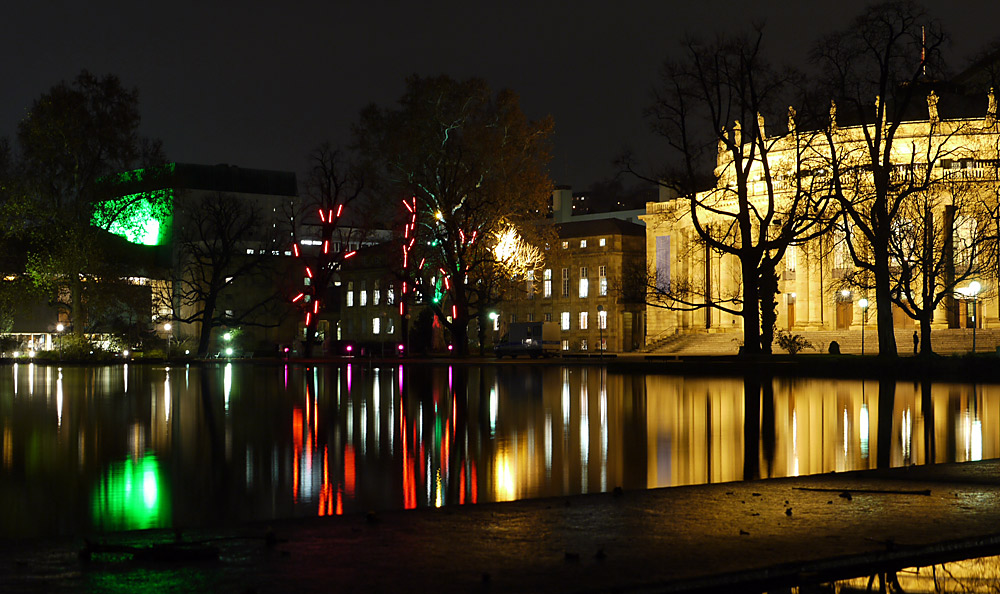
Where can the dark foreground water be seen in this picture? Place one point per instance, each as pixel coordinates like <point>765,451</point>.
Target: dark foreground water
<point>96,449</point>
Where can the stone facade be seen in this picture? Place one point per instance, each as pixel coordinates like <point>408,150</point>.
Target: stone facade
<point>964,155</point>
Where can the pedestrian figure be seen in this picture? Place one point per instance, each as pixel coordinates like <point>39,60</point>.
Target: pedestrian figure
<point>916,342</point>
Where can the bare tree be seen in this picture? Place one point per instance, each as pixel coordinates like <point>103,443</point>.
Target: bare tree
<point>226,270</point>
<point>333,184</point>
<point>943,238</point>
<point>874,71</point>
<point>711,108</point>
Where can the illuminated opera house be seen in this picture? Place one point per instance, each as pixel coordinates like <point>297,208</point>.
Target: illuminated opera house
<point>943,180</point>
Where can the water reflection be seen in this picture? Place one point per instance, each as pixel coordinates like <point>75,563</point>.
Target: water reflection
<point>970,576</point>
<point>234,443</point>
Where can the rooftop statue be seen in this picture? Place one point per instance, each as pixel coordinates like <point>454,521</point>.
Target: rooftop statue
<point>791,120</point>
<point>737,133</point>
<point>833,115</point>
<point>991,108</point>
<point>932,107</point>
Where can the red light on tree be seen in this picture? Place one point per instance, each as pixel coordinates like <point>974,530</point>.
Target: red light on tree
<point>349,254</point>
<point>297,297</point>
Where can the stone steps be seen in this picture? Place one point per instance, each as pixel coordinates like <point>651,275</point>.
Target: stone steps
<point>945,342</point>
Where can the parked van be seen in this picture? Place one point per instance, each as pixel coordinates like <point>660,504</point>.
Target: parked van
<point>534,339</point>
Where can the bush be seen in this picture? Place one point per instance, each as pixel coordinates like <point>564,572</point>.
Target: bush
<point>792,343</point>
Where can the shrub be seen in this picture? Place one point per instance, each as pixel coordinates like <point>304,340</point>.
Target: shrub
<point>792,343</point>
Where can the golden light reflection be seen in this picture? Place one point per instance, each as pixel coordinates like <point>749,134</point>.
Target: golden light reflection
<point>503,476</point>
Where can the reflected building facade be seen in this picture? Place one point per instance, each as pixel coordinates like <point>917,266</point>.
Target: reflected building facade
<point>92,449</point>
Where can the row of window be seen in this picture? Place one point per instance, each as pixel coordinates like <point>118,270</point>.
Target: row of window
<point>376,294</point>
<point>583,287</point>
<point>583,322</point>
<point>583,243</point>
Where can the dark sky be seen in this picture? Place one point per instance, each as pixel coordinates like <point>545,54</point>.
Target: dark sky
<point>258,84</point>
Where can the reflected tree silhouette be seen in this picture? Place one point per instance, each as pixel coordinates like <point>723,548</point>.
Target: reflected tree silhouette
<point>886,405</point>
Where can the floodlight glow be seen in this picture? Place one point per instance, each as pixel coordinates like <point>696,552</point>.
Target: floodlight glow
<point>845,293</point>
<point>863,303</point>
<point>974,288</point>
<point>227,336</point>
<point>229,351</point>
<point>60,327</point>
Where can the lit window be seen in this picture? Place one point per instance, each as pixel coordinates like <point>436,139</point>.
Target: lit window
<point>583,243</point>
<point>602,319</point>
<point>583,320</point>
<point>250,251</point>
<point>603,284</point>
<point>602,241</point>
<point>565,345</point>
<point>376,325</point>
<point>565,320</point>
<point>376,294</point>
<point>496,323</point>
<point>363,294</point>
<point>584,288</point>
<point>790,259</point>
<point>306,281</point>
<point>565,244</point>
<point>565,282</point>
<point>547,283</point>
<point>583,344</point>
<point>350,294</point>
<point>390,296</point>
<point>548,317</point>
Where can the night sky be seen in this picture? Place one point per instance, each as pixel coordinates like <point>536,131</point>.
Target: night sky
<point>258,84</point>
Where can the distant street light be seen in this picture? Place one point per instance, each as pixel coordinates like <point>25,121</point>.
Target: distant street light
<point>863,304</point>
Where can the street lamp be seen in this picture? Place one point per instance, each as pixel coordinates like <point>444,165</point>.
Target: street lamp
<point>863,304</point>
<point>59,329</point>
<point>974,288</point>
<point>600,327</point>
<point>229,348</point>
<point>168,327</point>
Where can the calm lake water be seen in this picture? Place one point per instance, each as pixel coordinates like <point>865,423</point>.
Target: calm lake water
<point>94,449</point>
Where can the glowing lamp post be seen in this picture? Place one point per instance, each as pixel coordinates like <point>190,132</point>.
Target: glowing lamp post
<point>59,329</point>
<point>168,327</point>
<point>229,347</point>
<point>863,304</point>
<point>973,291</point>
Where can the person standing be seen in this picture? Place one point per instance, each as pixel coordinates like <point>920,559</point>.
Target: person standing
<point>916,342</point>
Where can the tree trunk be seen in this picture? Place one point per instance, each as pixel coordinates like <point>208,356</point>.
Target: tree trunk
<point>205,335</point>
<point>768,307</point>
<point>925,334</point>
<point>310,341</point>
<point>751,315</point>
<point>883,304</point>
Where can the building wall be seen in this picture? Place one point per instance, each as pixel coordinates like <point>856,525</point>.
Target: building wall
<point>563,304</point>
<point>812,294</point>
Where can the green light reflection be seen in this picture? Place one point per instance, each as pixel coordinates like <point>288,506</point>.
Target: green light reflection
<point>132,495</point>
